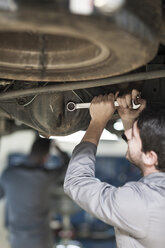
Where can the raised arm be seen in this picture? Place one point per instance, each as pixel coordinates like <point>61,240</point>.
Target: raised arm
<point>114,206</point>
<point>101,111</point>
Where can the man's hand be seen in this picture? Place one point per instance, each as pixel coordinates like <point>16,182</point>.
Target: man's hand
<point>125,109</point>
<point>101,111</point>
<point>102,108</point>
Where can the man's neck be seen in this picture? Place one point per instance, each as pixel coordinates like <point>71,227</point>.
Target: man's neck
<point>148,171</point>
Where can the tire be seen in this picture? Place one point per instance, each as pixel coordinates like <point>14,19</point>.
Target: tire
<point>54,45</point>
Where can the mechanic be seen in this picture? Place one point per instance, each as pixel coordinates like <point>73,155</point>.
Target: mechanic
<point>27,189</point>
<point>137,209</point>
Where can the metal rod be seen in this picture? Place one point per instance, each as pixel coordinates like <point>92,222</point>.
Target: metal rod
<point>83,84</point>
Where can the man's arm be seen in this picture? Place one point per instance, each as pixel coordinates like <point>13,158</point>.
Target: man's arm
<point>120,207</point>
<point>101,111</point>
<point>112,205</point>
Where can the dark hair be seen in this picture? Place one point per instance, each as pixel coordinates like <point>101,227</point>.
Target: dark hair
<point>40,148</point>
<point>151,125</point>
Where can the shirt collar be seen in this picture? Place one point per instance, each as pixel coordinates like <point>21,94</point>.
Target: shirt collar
<point>154,178</point>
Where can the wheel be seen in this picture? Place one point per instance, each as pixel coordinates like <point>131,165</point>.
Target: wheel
<point>54,45</point>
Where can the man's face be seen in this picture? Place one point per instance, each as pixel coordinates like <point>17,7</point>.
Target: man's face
<point>134,152</point>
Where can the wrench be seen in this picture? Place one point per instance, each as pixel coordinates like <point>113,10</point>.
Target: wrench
<point>71,106</point>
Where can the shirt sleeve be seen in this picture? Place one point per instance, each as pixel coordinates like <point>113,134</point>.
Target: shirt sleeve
<point>121,207</point>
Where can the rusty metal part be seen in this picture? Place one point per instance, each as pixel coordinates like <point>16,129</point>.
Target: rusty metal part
<point>26,51</point>
<point>50,44</point>
<point>135,77</point>
<point>48,115</point>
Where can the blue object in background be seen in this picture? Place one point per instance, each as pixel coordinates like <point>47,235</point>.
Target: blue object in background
<point>116,170</point>
<point>16,159</point>
<point>53,162</point>
<point>98,243</point>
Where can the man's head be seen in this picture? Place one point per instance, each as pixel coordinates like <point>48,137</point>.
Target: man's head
<point>40,151</point>
<point>146,147</point>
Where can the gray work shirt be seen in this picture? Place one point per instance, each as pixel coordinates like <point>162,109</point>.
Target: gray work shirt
<point>136,210</point>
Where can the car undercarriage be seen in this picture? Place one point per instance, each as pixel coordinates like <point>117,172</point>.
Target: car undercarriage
<point>50,56</point>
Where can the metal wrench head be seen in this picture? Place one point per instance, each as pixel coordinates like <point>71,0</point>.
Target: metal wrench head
<point>71,106</point>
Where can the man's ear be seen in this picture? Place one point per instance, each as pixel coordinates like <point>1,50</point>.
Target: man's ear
<point>150,158</point>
